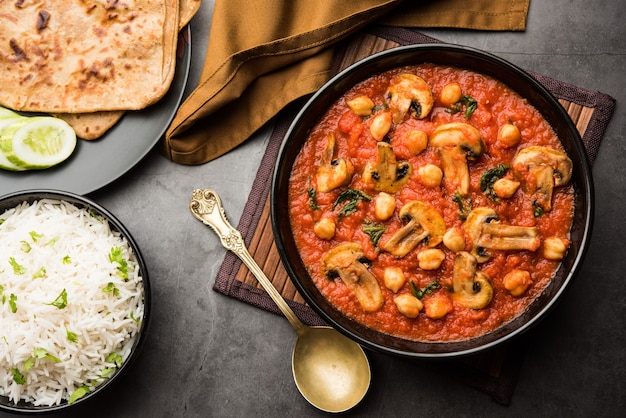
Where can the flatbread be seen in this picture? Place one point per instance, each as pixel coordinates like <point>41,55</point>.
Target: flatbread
<point>77,56</point>
<point>93,125</point>
<point>188,9</point>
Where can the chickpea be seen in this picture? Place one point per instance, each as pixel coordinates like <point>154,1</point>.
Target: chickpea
<point>554,248</point>
<point>416,141</point>
<point>450,94</point>
<point>430,259</point>
<point>384,206</point>
<point>505,188</point>
<point>361,105</point>
<point>430,175</point>
<point>408,305</point>
<point>454,240</point>
<point>325,228</point>
<point>517,281</point>
<point>437,306</point>
<point>509,135</point>
<point>381,123</point>
<point>393,278</point>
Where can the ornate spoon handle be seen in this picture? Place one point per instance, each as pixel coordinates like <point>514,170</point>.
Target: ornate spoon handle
<point>206,206</point>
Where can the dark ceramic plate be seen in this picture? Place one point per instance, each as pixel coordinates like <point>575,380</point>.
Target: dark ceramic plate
<point>462,57</point>
<point>95,164</point>
<point>13,199</point>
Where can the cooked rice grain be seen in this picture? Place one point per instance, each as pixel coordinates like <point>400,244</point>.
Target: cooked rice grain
<point>70,248</point>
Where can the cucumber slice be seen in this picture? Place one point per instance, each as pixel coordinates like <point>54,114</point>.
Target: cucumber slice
<point>38,142</point>
<point>4,162</point>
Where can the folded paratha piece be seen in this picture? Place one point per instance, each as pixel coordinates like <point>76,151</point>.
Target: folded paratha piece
<point>80,56</point>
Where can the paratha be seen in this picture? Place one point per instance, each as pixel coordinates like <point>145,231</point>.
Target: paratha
<point>93,125</point>
<point>79,56</point>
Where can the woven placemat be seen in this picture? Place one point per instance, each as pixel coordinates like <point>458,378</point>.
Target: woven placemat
<point>494,371</point>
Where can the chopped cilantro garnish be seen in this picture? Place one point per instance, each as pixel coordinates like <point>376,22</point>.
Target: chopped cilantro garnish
<point>469,103</point>
<point>352,196</point>
<point>61,301</point>
<point>71,336</point>
<point>134,318</point>
<point>312,193</point>
<point>465,205</point>
<point>13,302</point>
<point>114,358</point>
<point>25,246</point>
<point>18,377</point>
<point>419,293</point>
<point>537,209</point>
<point>110,288</point>
<point>116,256</point>
<point>374,230</point>
<point>29,363</point>
<point>67,260</point>
<point>43,353</point>
<point>52,241</point>
<point>488,179</point>
<point>35,235</point>
<point>40,273</point>
<point>77,394</point>
<point>17,268</point>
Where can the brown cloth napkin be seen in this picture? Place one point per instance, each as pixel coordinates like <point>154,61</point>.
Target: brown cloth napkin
<point>262,55</point>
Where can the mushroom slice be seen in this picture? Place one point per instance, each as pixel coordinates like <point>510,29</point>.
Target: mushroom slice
<point>333,172</point>
<point>408,93</point>
<point>387,174</point>
<point>471,287</point>
<point>546,168</point>
<point>457,143</point>
<point>422,222</point>
<point>344,260</point>
<point>486,232</point>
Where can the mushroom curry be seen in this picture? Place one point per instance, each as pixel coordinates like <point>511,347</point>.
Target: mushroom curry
<point>431,203</point>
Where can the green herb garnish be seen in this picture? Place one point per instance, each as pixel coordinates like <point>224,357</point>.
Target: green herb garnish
<point>13,302</point>
<point>352,197</point>
<point>419,293</point>
<point>469,103</point>
<point>61,301</point>
<point>18,377</point>
<point>25,246</point>
<point>537,209</point>
<point>71,336</point>
<point>114,358</point>
<point>43,353</point>
<point>67,260</point>
<point>489,177</point>
<point>17,268</point>
<point>312,193</point>
<point>77,394</point>
<point>35,235</point>
<point>110,288</point>
<point>116,256</point>
<point>465,205</point>
<point>40,273</point>
<point>374,230</point>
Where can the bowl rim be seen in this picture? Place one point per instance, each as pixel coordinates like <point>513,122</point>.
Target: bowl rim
<point>32,195</point>
<point>585,192</point>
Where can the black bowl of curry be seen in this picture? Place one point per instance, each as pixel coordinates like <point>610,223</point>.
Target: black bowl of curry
<point>432,201</point>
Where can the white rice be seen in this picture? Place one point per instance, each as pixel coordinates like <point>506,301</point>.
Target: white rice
<point>73,247</point>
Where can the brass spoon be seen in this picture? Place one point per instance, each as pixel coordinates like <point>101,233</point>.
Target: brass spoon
<point>330,370</point>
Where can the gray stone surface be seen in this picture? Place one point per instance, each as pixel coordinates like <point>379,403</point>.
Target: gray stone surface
<point>209,355</point>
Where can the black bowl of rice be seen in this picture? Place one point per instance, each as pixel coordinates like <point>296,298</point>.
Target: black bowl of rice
<point>74,300</point>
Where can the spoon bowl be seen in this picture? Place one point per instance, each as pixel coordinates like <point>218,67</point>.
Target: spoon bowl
<point>330,370</point>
